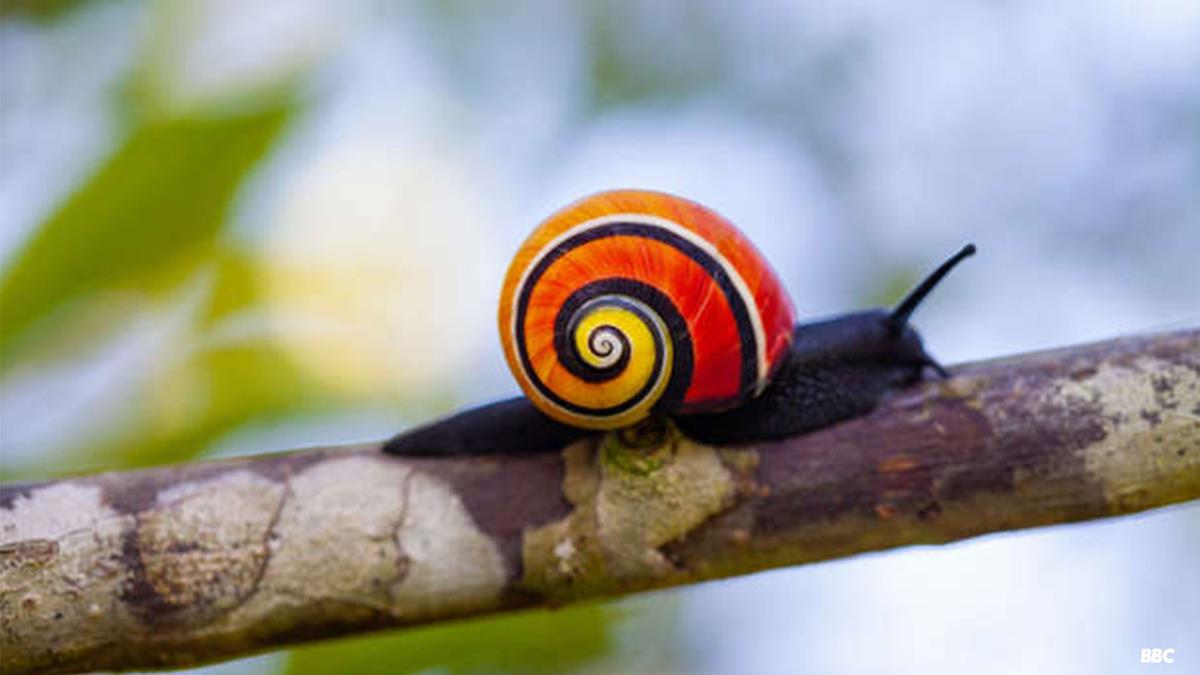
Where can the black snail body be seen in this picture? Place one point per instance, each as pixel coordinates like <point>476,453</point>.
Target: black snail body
<point>605,345</point>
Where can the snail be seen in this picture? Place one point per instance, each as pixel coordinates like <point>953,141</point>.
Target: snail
<point>632,304</point>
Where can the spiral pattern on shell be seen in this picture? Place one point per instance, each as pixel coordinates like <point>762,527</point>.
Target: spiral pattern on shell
<point>631,303</point>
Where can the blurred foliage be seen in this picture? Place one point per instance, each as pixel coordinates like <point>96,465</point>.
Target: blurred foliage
<point>44,10</point>
<point>200,400</point>
<point>145,235</point>
<point>635,63</point>
<point>145,221</point>
<point>635,53</point>
<point>537,641</point>
<point>147,224</point>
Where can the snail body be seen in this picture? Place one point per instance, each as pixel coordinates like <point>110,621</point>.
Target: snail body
<point>630,304</point>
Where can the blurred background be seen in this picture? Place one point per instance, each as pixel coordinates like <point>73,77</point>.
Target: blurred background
<point>231,227</point>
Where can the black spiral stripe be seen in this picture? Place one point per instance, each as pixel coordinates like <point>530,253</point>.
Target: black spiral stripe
<point>611,291</point>
<point>566,324</point>
<point>677,327</point>
<point>600,341</point>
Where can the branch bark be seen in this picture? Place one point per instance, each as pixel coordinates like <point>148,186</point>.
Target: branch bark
<point>188,564</point>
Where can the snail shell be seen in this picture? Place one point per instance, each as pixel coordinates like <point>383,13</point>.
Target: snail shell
<point>631,303</point>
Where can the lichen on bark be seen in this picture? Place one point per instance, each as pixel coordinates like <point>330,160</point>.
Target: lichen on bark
<point>629,501</point>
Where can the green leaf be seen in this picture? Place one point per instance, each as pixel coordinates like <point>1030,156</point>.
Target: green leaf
<point>236,287</point>
<point>42,10</point>
<point>215,392</point>
<point>144,221</point>
<point>536,641</point>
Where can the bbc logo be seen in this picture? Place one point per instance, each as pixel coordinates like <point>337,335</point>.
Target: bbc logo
<point>1158,656</point>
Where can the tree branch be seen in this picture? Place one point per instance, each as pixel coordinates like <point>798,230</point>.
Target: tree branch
<point>187,564</point>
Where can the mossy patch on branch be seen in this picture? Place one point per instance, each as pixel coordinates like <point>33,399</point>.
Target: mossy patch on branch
<point>629,501</point>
